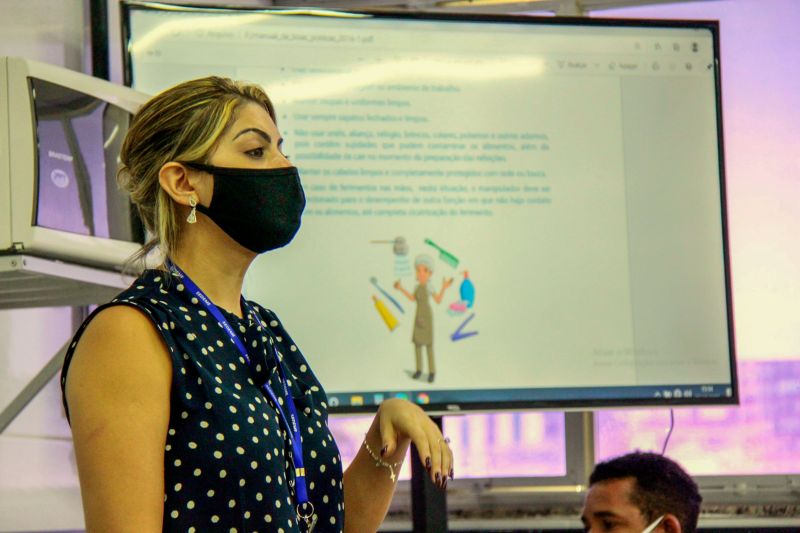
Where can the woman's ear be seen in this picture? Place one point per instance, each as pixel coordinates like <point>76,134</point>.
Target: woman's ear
<point>174,179</point>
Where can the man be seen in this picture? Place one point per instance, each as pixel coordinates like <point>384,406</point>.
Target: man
<point>641,492</point>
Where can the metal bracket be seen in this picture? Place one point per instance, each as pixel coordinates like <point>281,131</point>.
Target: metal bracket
<point>579,438</point>
<point>33,387</point>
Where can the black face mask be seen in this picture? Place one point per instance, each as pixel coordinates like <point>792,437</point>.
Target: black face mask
<point>258,208</point>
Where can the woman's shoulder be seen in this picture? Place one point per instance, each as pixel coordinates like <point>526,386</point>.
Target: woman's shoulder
<point>117,326</point>
<point>151,288</point>
<point>142,308</point>
<point>117,340</point>
<point>132,329</point>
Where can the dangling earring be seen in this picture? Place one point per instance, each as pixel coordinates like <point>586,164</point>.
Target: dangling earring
<point>192,218</point>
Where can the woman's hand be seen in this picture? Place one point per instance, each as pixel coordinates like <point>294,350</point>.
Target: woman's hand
<point>368,489</point>
<point>401,421</point>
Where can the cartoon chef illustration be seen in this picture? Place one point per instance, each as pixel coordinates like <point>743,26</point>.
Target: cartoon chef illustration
<point>423,320</point>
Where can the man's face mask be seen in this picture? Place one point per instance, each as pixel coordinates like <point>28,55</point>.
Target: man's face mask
<point>258,208</point>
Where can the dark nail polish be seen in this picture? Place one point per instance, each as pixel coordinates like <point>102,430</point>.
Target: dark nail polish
<point>384,450</point>
<point>444,484</point>
<point>437,478</point>
<point>451,473</point>
<point>428,463</point>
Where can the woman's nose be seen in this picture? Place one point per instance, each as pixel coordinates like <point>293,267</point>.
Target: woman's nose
<point>283,161</point>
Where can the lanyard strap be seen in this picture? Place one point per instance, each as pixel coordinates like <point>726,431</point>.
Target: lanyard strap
<point>290,422</point>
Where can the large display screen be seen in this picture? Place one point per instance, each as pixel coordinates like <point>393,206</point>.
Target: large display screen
<point>78,138</point>
<point>503,212</point>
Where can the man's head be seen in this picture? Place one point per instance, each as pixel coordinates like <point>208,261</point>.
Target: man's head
<point>631,492</point>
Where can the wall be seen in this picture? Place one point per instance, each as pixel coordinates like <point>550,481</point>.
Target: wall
<point>38,480</point>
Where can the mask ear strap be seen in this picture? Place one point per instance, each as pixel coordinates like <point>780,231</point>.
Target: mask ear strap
<point>201,166</point>
<point>243,172</point>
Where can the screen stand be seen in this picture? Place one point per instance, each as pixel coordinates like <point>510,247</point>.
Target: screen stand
<point>428,502</point>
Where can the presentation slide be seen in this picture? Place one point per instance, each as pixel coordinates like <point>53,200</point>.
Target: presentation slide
<point>495,212</point>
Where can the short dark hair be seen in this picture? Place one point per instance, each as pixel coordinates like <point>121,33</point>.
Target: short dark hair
<point>661,486</point>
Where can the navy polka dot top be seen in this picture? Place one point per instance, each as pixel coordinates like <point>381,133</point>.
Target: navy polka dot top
<point>228,460</point>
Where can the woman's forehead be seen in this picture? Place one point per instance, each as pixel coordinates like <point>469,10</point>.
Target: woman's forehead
<point>252,115</point>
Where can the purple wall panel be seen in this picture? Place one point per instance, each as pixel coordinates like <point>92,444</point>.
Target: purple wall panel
<point>761,436</point>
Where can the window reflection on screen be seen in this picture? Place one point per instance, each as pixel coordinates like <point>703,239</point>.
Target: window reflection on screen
<point>484,445</point>
<point>761,436</point>
<point>78,142</point>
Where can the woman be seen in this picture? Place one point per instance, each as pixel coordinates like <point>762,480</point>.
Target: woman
<point>192,409</point>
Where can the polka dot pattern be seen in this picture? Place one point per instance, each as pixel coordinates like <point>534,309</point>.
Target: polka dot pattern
<point>226,458</point>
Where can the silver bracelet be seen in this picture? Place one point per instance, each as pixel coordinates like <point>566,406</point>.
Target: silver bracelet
<point>380,462</point>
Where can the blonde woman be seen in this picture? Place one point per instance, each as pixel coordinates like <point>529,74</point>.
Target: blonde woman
<point>191,408</point>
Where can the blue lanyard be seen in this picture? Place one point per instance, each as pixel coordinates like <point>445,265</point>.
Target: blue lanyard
<point>292,421</point>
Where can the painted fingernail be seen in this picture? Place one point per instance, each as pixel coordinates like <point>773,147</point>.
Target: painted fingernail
<point>438,478</point>
<point>444,484</point>
<point>428,463</point>
<point>384,450</point>
<point>451,473</point>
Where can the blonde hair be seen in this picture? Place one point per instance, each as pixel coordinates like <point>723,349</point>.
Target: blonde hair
<point>183,124</point>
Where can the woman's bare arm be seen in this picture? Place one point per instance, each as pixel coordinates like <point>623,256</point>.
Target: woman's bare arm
<point>368,488</point>
<point>118,393</point>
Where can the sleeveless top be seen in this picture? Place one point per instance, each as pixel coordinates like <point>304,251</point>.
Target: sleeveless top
<point>227,457</point>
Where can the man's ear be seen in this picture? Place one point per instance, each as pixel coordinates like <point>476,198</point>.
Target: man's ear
<point>671,524</point>
<point>174,179</point>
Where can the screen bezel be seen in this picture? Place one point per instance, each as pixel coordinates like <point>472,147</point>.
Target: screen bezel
<point>25,236</point>
<point>494,406</point>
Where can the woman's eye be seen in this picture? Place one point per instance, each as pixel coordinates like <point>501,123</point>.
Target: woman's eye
<point>256,152</point>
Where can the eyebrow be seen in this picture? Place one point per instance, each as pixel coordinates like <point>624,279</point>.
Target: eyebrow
<point>606,514</point>
<point>260,132</point>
